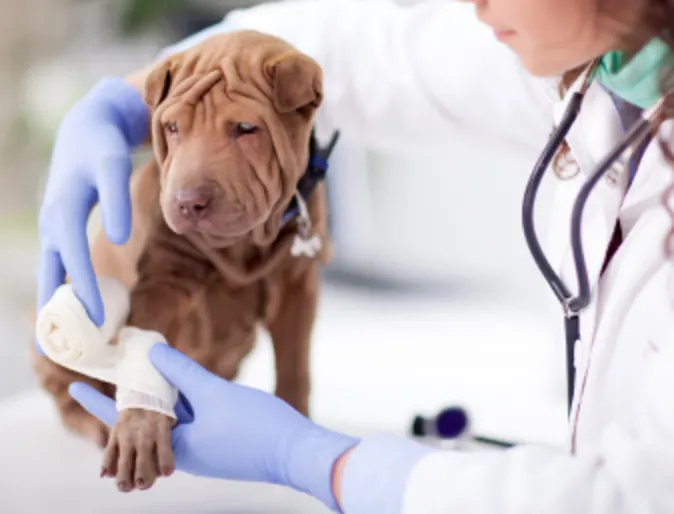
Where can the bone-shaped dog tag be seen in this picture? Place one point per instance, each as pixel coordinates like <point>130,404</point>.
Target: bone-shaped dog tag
<point>306,246</point>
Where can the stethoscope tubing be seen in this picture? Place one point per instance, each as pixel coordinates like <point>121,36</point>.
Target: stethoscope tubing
<point>559,288</point>
<point>637,134</point>
<point>541,167</point>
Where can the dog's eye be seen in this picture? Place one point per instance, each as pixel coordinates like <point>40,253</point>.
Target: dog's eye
<point>245,128</point>
<point>172,128</point>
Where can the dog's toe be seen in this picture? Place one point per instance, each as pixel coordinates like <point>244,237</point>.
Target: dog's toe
<point>139,450</point>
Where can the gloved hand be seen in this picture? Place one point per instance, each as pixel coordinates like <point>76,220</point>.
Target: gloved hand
<point>236,432</point>
<point>90,162</point>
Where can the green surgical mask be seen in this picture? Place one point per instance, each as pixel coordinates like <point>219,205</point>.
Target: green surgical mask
<point>635,80</point>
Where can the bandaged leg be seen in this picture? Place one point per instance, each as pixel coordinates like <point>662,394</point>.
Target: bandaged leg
<point>68,337</point>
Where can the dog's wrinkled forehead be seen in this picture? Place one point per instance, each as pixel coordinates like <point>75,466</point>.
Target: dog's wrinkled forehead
<point>241,67</point>
<point>249,63</point>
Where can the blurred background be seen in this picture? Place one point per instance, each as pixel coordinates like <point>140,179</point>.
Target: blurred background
<point>432,282</point>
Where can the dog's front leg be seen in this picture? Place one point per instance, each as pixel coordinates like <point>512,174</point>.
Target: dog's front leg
<point>139,448</point>
<point>291,329</point>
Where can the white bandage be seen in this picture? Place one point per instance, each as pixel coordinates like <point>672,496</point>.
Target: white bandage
<point>68,337</point>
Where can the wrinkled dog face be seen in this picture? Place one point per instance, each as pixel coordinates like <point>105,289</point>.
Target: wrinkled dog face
<point>231,124</point>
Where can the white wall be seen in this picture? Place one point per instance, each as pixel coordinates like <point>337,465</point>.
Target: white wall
<point>454,216</point>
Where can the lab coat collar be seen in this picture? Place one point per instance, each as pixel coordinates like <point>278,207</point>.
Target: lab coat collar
<point>598,127</point>
<point>647,186</point>
<point>631,269</point>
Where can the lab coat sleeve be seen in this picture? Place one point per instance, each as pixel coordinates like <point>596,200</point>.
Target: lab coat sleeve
<point>404,77</point>
<point>630,470</point>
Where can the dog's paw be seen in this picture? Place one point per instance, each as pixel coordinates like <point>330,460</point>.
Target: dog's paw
<point>139,450</point>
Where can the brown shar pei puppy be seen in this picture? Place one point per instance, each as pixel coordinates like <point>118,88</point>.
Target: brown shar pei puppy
<point>209,259</point>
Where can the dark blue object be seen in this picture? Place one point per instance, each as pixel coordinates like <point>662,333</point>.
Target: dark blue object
<point>317,168</point>
<point>451,423</point>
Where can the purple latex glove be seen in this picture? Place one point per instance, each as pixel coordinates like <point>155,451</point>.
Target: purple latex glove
<point>91,162</point>
<point>237,432</point>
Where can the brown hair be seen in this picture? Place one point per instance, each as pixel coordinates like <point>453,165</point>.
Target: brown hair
<point>660,21</point>
<point>657,21</point>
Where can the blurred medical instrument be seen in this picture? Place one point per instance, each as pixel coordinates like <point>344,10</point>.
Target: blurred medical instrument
<point>452,425</point>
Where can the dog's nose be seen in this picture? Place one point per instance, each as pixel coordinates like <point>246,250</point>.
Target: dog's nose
<point>194,203</point>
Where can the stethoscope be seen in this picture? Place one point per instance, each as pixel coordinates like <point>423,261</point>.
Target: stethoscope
<point>573,306</point>
<point>453,423</point>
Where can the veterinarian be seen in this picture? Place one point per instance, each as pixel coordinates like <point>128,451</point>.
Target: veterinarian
<point>404,77</point>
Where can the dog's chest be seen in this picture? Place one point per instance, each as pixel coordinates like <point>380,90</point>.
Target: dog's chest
<point>218,325</point>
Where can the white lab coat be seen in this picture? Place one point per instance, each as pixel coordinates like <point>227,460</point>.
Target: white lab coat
<point>401,78</point>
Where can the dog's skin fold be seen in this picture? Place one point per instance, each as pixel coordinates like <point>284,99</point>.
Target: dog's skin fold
<point>231,122</point>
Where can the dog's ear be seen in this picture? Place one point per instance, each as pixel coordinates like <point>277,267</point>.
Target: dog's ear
<point>297,83</point>
<point>158,83</point>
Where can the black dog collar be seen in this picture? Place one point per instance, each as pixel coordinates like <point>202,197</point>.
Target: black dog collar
<point>315,174</point>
